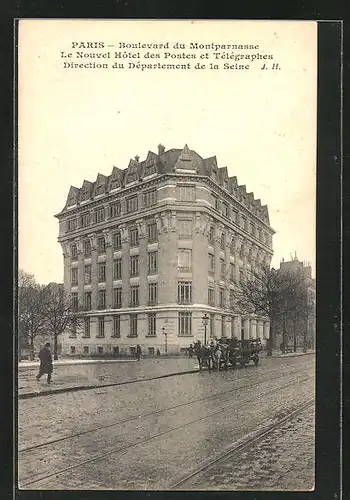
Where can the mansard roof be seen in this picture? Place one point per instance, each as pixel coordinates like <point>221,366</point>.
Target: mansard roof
<point>170,161</point>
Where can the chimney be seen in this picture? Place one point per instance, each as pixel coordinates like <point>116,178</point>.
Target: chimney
<point>161,149</point>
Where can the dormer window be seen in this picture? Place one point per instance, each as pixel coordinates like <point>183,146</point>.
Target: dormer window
<point>99,189</point>
<point>114,184</point>
<point>132,177</point>
<point>150,169</point>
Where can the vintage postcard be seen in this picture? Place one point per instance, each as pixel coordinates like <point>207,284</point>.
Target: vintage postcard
<point>167,194</point>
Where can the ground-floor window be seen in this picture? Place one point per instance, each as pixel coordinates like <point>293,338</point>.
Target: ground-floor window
<point>116,326</point>
<point>100,350</point>
<point>152,324</point>
<point>116,350</point>
<point>101,327</point>
<point>72,349</point>
<point>151,350</point>
<point>185,324</point>
<point>133,325</point>
<point>212,326</point>
<point>86,349</point>
<point>133,351</point>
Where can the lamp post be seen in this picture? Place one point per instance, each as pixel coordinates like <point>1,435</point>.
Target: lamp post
<point>166,340</point>
<point>205,321</point>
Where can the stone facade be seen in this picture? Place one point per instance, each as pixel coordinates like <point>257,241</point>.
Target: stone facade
<point>152,248</point>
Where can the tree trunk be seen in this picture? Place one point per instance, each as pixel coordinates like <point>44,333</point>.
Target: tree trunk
<point>294,337</point>
<point>31,348</point>
<point>55,357</point>
<point>270,341</point>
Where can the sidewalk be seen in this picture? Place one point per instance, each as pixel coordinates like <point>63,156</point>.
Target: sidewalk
<point>99,373</point>
<point>72,361</point>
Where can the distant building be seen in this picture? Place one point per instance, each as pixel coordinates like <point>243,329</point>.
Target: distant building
<point>300,325</point>
<point>150,249</point>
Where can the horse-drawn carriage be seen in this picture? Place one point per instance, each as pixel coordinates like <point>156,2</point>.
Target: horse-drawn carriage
<point>223,353</point>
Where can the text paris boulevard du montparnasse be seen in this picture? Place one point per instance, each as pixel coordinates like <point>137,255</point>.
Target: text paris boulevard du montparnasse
<point>150,56</point>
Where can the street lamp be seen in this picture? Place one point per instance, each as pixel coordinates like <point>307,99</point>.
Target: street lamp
<point>166,340</point>
<point>205,321</point>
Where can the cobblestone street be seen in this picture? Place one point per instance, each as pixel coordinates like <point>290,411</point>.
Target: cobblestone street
<point>283,460</point>
<point>151,434</point>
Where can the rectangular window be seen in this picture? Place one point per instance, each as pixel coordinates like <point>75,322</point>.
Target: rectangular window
<point>150,198</point>
<point>133,325</point>
<point>101,245</point>
<point>152,293</point>
<point>117,241</point>
<point>131,204</point>
<point>234,216</point>
<point>217,203</point>
<point>134,296</point>
<point>74,252</point>
<point>187,193</point>
<point>117,298</point>
<point>185,324</point>
<point>151,351</point>
<point>87,274</point>
<point>100,350</point>
<point>134,265</point>
<point>72,225</point>
<point>221,297</point>
<point>101,327</point>
<point>184,292</point>
<point>101,297</point>
<point>222,268</point>
<point>117,269</point>
<point>212,326</point>
<point>116,326</point>
<point>101,272</point>
<point>87,327</point>
<point>87,301</point>
<point>85,220</point>
<point>87,248</point>
<point>152,232</point>
<point>152,322</point>
<point>232,271</point>
<point>134,237</point>
<point>86,349</point>
<point>74,276</point>
<point>185,229</point>
<point>72,349</point>
<point>116,350</point>
<point>114,209</point>
<point>211,263</point>
<point>222,241</point>
<point>75,301</point>
<point>100,215</point>
<point>211,234</point>
<point>226,210</point>
<point>185,259</point>
<point>232,298</point>
<point>152,262</point>
<point>211,296</point>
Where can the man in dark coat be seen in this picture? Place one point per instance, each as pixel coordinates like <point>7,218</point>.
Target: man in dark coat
<point>138,352</point>
<point>45,362</point>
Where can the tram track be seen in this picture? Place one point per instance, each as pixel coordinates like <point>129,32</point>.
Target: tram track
<point>43,479</point>
<point>157,412</point>
<point>236,448</point>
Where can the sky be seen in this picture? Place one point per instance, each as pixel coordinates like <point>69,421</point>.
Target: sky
<point>76,123</point>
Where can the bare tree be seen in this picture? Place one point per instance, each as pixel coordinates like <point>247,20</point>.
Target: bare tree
<point>61,313</point>
<point>300,309</point>
<point>31,309</point>
<point>267,293</point>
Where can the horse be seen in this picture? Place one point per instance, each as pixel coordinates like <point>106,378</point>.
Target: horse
<point>203,355</point>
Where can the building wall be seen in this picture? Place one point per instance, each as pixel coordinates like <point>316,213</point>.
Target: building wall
<point>240,246</point>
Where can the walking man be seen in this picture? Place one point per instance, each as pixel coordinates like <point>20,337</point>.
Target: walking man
<point>138,352</point>
<point>45,362</point>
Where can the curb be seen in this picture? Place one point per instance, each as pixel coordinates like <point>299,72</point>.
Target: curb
<point>290,355</point>
<point>30,395</point>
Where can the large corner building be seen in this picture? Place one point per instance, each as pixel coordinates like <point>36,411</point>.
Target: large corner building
<point>151,249</point>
